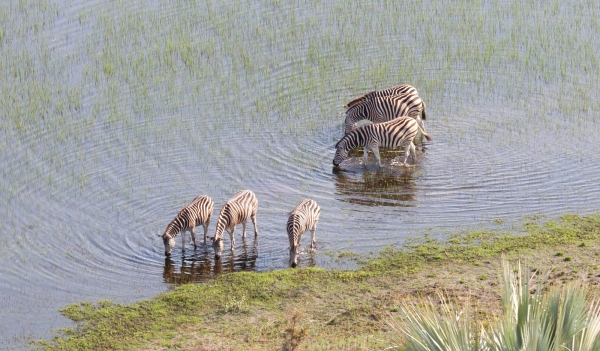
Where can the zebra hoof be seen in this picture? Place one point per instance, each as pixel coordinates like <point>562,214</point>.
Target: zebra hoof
<point>294,265</point>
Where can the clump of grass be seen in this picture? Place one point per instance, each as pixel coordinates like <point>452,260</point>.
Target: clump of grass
<point>295,331</point>
<point>235,305</point>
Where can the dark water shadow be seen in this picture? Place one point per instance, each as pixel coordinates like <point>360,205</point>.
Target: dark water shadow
<point>373,186</point>
<point>201,266</point>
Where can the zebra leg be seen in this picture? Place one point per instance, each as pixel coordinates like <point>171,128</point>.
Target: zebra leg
<point>366,152</point>
<point>375,150</point>
<point>407,148</point>
<point>253,218</point>
<point>193,232</point>
<point>232,237</point>
<point>244,226</point>
<point>314,240</point>
<point>205,225</point>
<point>183,239</point>
<point>414,152</point>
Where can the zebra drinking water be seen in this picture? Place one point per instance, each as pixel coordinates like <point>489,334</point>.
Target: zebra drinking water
<point>304,217</point>
<point>389,135</point>
<point>237,210</point>
<point>386,108</point>
<point>198,212</point>
<point>397,90</point>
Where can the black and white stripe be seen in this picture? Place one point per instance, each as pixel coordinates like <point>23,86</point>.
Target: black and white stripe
<point>304,217</point>
<point>386,108</point>
<point>198,212</point>
<point>389,135</point>
<point>397,90</point>
<point>237,210</point>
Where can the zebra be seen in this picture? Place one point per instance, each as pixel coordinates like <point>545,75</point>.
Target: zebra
<point>391,134</point>
<point>397,90</point>
<point>386,108</point>
<point>196,213</point>
<point>304,217</point>
<point>236,210</point>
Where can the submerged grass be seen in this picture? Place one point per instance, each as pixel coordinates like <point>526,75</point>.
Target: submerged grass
<point>321,309</point>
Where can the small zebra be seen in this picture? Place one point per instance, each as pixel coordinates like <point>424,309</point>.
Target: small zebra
<point>196,213</point>
<point>397,90</point>
<point>238,209</point>
<point>389,135</point>
<point>386,108</point>
<point>304,217</point>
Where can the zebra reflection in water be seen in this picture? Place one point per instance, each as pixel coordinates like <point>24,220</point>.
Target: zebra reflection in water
<point>394,186</point>
<point>201,266</point>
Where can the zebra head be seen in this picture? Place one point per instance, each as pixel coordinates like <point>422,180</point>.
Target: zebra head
<point>341,153</point>
<point>294,251</point>
<point>217,245</point>
<point>169,242</point>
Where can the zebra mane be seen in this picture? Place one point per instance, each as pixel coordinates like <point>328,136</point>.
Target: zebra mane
<point>360,100</point>
<point>345,137</point>
<point>172,229</point>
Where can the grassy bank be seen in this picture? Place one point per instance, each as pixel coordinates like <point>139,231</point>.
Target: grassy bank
<point>316,309</point>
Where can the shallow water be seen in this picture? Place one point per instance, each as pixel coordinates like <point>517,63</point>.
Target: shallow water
<point>115,116</point>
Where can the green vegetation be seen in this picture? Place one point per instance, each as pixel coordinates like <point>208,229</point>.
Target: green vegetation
<point>319,309</point>
<point>558,319</point>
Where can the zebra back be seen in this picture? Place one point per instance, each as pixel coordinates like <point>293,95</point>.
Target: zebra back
<point>194,214</point>
<point>304,217</point>
<point>396,90</point>
<point>236,210</point>
<point>389,134</point>
<point>383,109</point>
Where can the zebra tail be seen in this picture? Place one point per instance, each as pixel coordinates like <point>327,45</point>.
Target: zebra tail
<point>423,112</point>
<point>429,138</point>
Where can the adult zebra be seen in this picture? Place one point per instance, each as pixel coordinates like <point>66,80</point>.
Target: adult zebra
<point>389,135</point>
<point>397,90</point>
<point>386,108</point>
<point>304,217</point>
<point>237,210</point>
<point>198,212</point>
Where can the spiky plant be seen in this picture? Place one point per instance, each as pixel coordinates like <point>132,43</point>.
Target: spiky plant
<point>427,328</point>
<point>559,319</point>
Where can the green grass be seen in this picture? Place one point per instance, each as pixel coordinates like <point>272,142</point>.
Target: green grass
<point>325,309</point>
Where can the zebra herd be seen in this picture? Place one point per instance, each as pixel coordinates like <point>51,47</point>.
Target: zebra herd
<point>398,116</point>
<point>237,210</point>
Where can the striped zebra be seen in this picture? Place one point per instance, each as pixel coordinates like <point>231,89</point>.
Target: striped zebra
<point>389,135</point>
<point>304,217</point>
<point>386,108</point>
<point>237,210</point>
<point>198,212</point>
<point>397,90</point>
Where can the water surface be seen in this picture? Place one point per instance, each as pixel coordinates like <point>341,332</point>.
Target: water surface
<point>115,115</point>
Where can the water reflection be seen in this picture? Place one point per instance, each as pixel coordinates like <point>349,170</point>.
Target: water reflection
<point>201,266</point>
<point>386,186</point>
